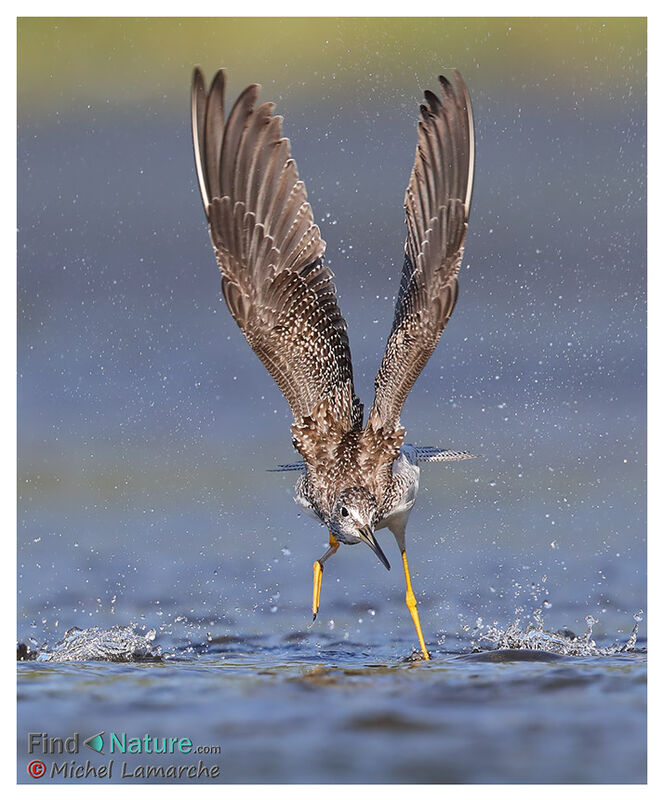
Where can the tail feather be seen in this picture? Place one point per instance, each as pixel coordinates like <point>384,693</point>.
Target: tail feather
<point>422,456</point>
<point>425,454</point>
<point>298,466</point>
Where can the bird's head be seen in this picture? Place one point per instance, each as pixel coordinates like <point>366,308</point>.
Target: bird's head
<point>353,517</point>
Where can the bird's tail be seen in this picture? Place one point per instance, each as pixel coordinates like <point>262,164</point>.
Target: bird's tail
<point>424,454</point>
<point>298,466</point>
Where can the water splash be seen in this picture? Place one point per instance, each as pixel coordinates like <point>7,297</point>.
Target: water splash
<point>534,637</point>
<point>119,643</point>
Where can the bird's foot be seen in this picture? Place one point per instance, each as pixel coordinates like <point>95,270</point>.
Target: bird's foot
<point>411,602</point>
<point>318,573</point>
<point>417,655</point>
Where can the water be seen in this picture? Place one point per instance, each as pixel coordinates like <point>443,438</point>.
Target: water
<point>520,715</point>
<point>146,429</point>
<point>119,643</point>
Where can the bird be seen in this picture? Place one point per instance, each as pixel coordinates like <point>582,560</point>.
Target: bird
<point>354,477</point>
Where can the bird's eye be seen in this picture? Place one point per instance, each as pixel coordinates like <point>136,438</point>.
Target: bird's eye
<point>344,511</point>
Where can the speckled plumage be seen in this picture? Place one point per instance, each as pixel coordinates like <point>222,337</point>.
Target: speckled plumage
<point>270,253</point>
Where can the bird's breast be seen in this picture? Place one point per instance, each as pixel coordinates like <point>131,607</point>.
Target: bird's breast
<point>402,493</point>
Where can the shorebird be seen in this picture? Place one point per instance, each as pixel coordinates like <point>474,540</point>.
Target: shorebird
<point>355,478</point>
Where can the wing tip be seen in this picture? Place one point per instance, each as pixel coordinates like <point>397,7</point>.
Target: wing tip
<point>197,75</point>
<point>461,95</point>
<point>219,80</point>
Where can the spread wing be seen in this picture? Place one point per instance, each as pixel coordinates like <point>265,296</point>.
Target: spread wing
<point>437,205</point>
<point>270,254</point>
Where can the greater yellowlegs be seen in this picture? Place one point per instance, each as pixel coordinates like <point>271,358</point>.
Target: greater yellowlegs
<point>355,478</point>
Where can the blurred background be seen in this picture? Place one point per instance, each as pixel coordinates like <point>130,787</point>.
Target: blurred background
<point>145,423</point>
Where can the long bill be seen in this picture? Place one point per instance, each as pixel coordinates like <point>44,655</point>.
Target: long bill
<point>366,535</point>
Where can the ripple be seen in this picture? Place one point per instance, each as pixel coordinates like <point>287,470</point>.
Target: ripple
<point>507,655</point>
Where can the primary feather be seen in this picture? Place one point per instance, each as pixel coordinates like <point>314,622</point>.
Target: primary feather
<point>437,205</point>
<point>270,252</point>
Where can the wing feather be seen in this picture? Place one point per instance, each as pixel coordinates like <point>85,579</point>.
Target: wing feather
<point>270,253</point>
<point>437,204</point>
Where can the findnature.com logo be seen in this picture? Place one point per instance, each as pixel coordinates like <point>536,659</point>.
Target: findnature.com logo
<point>119,744</point>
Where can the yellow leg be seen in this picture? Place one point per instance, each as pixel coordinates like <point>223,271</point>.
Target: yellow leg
<point>318,573</point>
<point>411,602</point>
